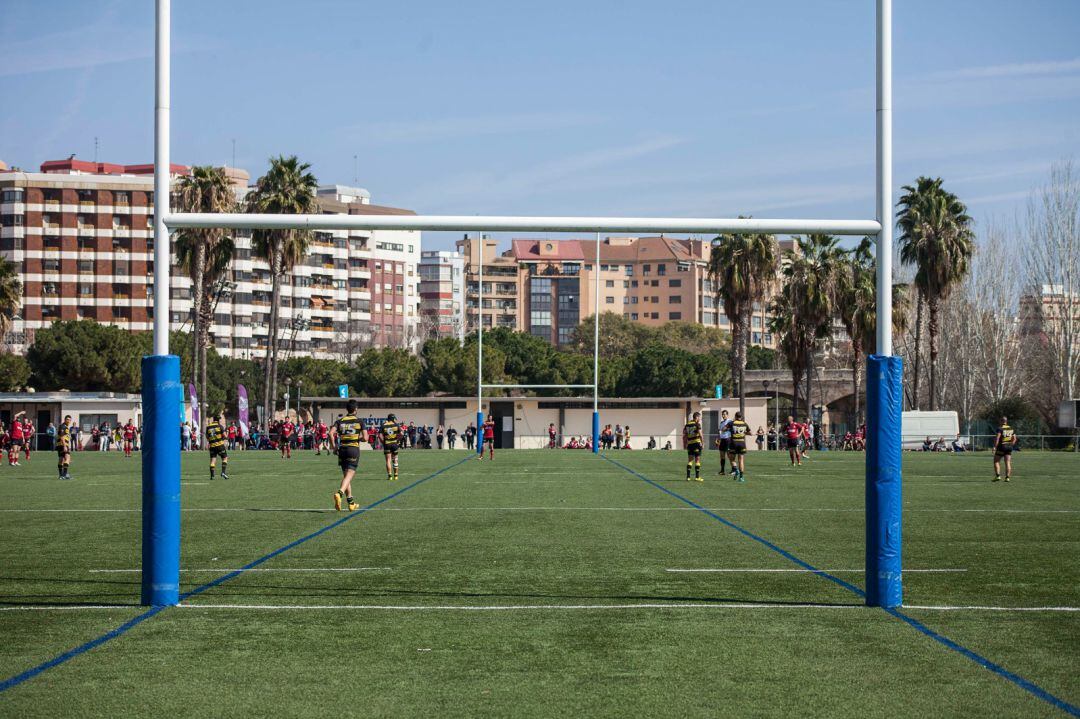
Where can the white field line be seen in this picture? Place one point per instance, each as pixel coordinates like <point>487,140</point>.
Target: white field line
<point>523,607</point>
<point>810,571</point>
<point>257,569</point>
<point>560,509</point>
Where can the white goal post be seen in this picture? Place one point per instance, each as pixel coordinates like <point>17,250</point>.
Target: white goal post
<point>161,481</point>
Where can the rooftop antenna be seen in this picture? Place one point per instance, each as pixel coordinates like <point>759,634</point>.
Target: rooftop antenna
<point>95,149</point>
<point>356,170</point>
<point>233,153</point>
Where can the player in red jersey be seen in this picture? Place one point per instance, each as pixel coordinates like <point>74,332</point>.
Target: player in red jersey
<point>489,438</point>
<point>16,439</point>
<point>129,437</point>
<point>28,437</point>
<point>793,432</point>
<point>286,433</point>
<point>322,438</point>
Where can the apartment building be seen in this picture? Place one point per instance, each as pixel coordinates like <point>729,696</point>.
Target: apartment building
<point>442,294</point>
<point>500,284</point>
<point>81,235</point>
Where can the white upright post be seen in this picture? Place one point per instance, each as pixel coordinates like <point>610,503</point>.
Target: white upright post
<point>480,348</point>
<point>884,376</point>
<point>884,178</point>
<point>161,388</point>
<point>596,351</point>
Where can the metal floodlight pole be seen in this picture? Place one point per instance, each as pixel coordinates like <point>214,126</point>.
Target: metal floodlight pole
<point>161,388</point>
<point>480,349</point>
<point>596,351</point>
<point>884,386</point>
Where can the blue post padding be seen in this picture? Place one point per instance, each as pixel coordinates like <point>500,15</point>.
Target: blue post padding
<point>595,432</point>
<point>162,394</point>
<point>884,507</point>
<point>479,432</point>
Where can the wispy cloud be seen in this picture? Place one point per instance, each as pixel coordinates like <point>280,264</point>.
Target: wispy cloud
<point>73,50</point>
<point>486,188</point>
<point>1016,69</point>
<point>436,129</point>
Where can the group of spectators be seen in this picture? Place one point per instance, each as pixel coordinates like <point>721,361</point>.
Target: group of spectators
<point>957,445</point>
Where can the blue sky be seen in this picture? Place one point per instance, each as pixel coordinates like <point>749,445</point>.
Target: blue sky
<point>589,107</point>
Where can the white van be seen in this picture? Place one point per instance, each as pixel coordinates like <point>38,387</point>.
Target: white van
<point>935,425</point>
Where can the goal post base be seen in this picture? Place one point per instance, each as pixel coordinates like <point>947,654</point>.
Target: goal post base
<point>596,432</point>
<point>161,393</point>
<point>884,505</point>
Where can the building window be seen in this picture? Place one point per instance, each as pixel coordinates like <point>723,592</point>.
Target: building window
<point>674,315</point>
<point>675,299</point>
<point>609,300</point>
<point>674,283</point>
<point>12,196</point>
<point>661,269</point>
<point>609,283</point>
<point>633,315</point>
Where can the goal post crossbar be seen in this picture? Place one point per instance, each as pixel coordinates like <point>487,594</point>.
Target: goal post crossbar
<point>500,223</point>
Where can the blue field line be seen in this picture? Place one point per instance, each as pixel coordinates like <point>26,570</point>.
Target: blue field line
<point>982,661</point>
<point>153,611</point>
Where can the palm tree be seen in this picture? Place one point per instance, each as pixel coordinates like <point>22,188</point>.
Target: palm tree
<point>791,343</point>
<point>741,268</point>
<point>937,239</point>
<point>286,188</point>
<point>10,296</point>
<point>811,281</point>
<point>205,253</point>
<point>857,310</point>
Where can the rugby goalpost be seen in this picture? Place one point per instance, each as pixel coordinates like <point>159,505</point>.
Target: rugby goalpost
<point>162,388</point>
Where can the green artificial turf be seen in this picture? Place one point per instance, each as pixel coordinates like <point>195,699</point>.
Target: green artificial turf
<point>569,534</point>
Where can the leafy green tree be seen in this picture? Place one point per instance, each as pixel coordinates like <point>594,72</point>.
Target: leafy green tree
<point>286,188</point>
<point>619,336</point>
<point>658,370</point>
<point>204,253</point>
<point>937,239</point>
<point>691,336</point>
<point>386,372</point>
<point>1023,416</point>
<point>758,357</point>
<point>14,372</point>
<point>742,267</point>
<point>447,368</point>
<point>320,377</point>
<point>10,296</point>
<point>84,356</point>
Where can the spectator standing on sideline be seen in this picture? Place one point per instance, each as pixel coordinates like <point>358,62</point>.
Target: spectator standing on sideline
<point>50,432</point>
<point>451,436</point>
<point>618,436</point>
<point>439,435</point>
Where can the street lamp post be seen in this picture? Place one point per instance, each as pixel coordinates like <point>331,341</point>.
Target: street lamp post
<point>299,384</point>
<point>288,385</point>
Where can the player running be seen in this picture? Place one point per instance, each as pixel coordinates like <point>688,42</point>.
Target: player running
<point>322,438</point>
<point>215,442</point>
<point>1003,448</point>
<point>28,437</point>
<point>285,438</point>
<point>129,438</point>
<point>737,447</point>
<point>346,432</point>
<point>724,441</point>
<point>692,440</point>
<point>390,437</point>
<point>488,429</point>
<point>793,431</point>
<point>65,437</point>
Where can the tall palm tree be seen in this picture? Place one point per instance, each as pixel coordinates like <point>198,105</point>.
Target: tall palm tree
<point>741,268</point>
<point>811,278</point>
<point>791,342</point>
<point>936,238</point>
<point>286,188</point>
<point>10,296</point>
<point>205,253</point>
<point>857,311</point>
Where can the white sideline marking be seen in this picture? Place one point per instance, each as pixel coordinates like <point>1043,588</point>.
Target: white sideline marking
<point>257,569</point>
<point>523,607</point>
<point>571,509</point>
<point>512,607</point>
<point>810,571</point>
<point>976,608</point>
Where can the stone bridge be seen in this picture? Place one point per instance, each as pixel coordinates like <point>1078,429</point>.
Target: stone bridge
<point>831,388</point>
